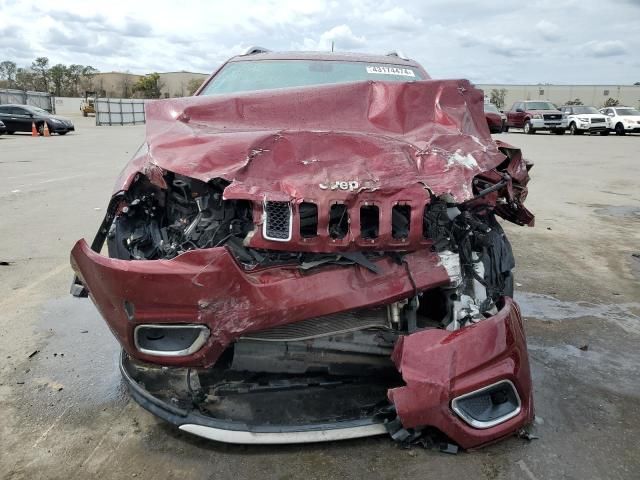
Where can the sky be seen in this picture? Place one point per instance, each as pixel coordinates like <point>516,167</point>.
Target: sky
<point>538,41</point>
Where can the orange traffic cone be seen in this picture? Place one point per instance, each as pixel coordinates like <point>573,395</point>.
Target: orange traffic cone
<point>46,130</point>
<point>34,130</point>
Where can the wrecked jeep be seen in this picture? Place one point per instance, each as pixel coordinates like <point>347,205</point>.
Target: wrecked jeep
<point>308,249</point>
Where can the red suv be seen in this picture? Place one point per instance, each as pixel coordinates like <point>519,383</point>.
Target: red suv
<point>532,116</point>
<point>309,250</point>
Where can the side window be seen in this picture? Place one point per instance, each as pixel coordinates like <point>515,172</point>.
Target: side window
<point>4,110</point>
<point>17,111</point>
<point>567,110</point>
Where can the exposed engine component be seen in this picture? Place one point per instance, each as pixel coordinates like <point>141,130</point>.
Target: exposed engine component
<point>156,223</point>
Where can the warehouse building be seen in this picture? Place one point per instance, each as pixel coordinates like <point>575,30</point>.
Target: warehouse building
<point>594,95</point>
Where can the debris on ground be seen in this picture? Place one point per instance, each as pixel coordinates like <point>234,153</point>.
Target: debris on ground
<point>584,347</point>
<point>34,353</point>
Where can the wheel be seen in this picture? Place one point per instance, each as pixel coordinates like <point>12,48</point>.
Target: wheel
<point>10,132</point>
<point>604,133</point>
<point>528,128</point>
<point>620,129</point>
<point>574,130</point>
<point>85,114</point>
<point>505,128</point>
<point>560,131</point>
<point>62,133</point>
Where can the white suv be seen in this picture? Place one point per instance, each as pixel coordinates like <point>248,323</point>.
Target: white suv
<point>585,119</point>
<point>622,119</point>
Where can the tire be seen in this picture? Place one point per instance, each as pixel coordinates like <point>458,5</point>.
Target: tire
<point>560,131</point>
<point>604,133</point>
<point>528,128</point>
<point>620,129</point>
<point>574,130</point>
<point>85,114</point>
<point>505,128</point>
<point>62,133</point>
<point>10,132</point>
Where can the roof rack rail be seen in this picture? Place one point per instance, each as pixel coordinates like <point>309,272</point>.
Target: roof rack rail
<point>255,49</point>
<point>397,53</point>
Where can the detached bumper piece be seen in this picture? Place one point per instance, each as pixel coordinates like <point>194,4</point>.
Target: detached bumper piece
<point>476,390</point>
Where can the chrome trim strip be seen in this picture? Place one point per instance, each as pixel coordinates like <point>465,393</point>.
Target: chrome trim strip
<point>265,220</point>
<point>283,438</point>
<point>195,346</point>
<point>477,423</point>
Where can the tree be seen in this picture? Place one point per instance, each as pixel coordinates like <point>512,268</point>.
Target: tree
<point>40,68</point>
<point>149,86</point>
<point>25,80</point>
<point>8,72</point>
<point>577,101</point>
<point>58,74</point>
<point>193,85</point>
<point>611,102</point>
<point>497,97</point>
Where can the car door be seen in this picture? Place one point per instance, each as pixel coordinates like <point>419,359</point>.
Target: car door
<point>511,115</point>
<point>21,118</point>
<point>6,118</point>
<point>518,115</point>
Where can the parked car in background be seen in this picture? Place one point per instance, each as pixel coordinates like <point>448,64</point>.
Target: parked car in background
<point>623,119</point>
<point>18,118</point>
<point>3,128</point>
<point>581,119</point>
<point>496,120</point>
<point>532,116</point>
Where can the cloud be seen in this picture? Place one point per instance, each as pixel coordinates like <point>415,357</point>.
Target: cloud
<point>343,38</point>
<point>483,41</point>
<point>548,30</point>
<point>396,18</point>
<point>607,48</point>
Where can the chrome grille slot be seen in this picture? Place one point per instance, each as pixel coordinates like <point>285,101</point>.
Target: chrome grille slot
<point>277,221</point>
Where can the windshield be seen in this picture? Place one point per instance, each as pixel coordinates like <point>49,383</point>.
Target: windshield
<point>583,110</point>
<point>37,110</point>
<point>490,107</point>
<point>270,74</point>
<point>540,106</point>
<point>627,111</point>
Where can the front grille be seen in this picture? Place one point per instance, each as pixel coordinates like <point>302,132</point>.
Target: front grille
<point>551,116</point>
<point>597,120</point>
<point>334,324</point>
<point>277,222</point>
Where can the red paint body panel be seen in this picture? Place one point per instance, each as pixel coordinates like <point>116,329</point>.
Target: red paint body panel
<point>493,119</point>
<point>208,287</point>
<point>439,366</point>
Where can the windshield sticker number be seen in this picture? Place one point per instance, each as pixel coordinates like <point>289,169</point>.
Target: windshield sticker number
<point>405,72</point>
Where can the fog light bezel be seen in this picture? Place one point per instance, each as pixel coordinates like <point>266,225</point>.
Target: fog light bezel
<point>197,344</point>
<point>479,424</point>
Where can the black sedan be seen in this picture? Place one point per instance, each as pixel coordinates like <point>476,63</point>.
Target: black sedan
<point>18,118</point>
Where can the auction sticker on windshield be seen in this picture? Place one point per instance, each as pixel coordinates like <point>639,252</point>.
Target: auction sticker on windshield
<point>406,72</point>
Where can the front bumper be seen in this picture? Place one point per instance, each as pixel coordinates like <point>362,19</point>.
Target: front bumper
<point>541,124</point>
<point>460,362</point>
<point>61,128</point>
<point>208,287</point>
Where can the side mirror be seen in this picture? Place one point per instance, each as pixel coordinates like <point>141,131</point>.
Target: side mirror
<point>519,110</point>
<point>30,114</point>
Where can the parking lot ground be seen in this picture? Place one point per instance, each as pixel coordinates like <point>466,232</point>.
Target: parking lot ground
<point>66,413</point>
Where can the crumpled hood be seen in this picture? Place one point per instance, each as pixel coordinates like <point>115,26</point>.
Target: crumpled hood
<point>298,142</point>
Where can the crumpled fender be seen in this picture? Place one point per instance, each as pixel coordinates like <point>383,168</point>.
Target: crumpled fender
<point>438,366</point>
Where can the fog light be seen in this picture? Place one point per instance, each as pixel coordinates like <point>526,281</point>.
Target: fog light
<point>488,406</point>
<point>170,340</point>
